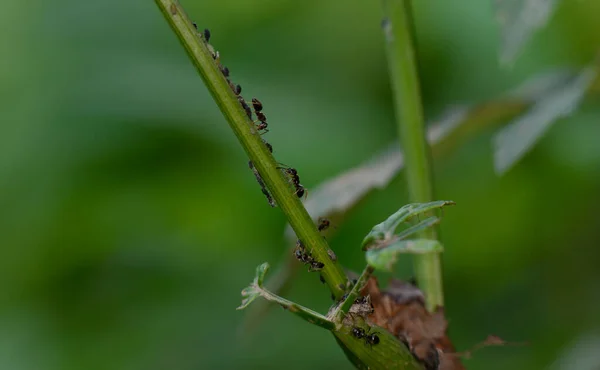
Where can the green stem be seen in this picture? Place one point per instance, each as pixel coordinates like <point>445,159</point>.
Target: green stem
<point>401,54</point>
<point>252,143</point>
<point>304,313</point>
<point>344,307</point>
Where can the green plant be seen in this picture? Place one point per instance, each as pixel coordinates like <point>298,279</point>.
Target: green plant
<point>311,246</point>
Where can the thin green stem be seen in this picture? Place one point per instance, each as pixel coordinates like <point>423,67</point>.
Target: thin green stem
<point>304,313</point>
<point>344,307</point>
<point>402,63</point>
<point>245,130</point>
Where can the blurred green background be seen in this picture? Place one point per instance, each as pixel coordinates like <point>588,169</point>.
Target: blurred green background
<point>129,221</point>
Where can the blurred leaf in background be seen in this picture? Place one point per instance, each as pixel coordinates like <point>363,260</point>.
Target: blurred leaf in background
<point>129,221</point>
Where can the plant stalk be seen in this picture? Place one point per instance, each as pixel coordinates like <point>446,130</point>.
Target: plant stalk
<point>251,141</point>
<point>401,54</point>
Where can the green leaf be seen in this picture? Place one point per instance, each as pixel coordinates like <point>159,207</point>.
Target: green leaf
<point>515,140</point>
<point>422,225</point>
<point>256,289</point>
<point>519,19</point>
<point>261,272</point>
<point>385,258</point>
<point>250,293</point>
<point>385,230</point>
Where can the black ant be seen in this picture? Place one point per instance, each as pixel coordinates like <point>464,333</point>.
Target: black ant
<point>262,126</point>
<point>257,105</point>
<point>293,174</point>
<point>370,338</point>
<point>358,333</point>
<point>260,116</point>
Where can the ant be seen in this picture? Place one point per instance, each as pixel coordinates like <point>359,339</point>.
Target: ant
<point>293,174</point>
<point>262,124</point>
<point>257,104</point>
<point>262,119</point>
<point>358,333</point>
<point>370,338</point>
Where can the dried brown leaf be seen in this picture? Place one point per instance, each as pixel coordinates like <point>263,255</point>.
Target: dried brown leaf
<point>401,310</point>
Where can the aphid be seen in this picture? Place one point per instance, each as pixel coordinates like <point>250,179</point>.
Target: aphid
<point>238,89</point>
<point>323,224</point>
<point>225,71</point>
<point>322,279</point>
<point>362,307</point>
<point>257,105</point>
<point>331,255</point>
<point>301,254</point>
<point>263,188</point>
<point>305,257</point>
<point>206,34</point>
<point>360,300</point>
<point>269,146</point>
<point>269,197</point>
<point>245,106</point>
<point>195,25</point>
<point>315,265</point>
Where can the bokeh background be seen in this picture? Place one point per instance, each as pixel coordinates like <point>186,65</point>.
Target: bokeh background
<point>129,221</point>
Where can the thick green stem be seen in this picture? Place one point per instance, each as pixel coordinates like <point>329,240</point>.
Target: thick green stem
<point>404,76</point>
<point>246,132</point>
